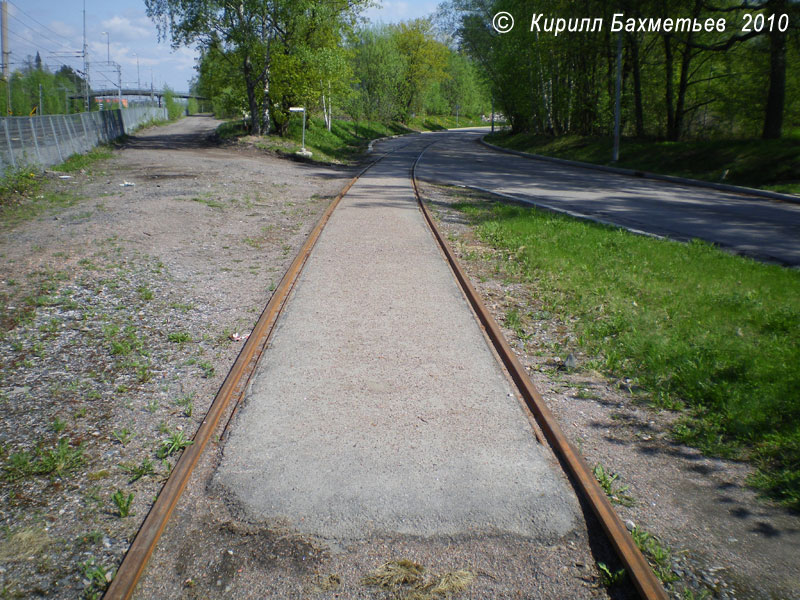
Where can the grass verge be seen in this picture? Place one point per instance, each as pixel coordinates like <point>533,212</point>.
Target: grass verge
<point>439,122</point>
<point>766,164</point>
<point>699,330</point>
<point>78,162</point>
<point>346,140</point>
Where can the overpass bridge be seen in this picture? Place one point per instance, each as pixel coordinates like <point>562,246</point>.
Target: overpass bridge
<point>115,92</point>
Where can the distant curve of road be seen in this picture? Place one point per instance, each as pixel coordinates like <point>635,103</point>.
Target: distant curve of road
<point>758,227</point>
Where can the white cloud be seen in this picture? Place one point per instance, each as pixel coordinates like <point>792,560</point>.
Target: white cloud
<point>129,29</point>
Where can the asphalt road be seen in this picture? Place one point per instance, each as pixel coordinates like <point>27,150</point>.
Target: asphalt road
<point>758,227</point>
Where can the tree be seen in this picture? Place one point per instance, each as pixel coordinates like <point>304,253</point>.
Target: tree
<point>254,36</point>
<point>425,60</point>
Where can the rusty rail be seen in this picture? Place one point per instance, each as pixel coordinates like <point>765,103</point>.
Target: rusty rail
<point>640,572</point>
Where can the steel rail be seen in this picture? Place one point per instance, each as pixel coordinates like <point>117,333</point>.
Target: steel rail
<point>638,568</point>
<point>140,551</point>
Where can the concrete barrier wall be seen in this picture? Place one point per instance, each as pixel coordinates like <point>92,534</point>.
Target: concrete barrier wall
<point>51,139</point>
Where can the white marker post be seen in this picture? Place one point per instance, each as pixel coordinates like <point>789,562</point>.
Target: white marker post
<point>296,109</point>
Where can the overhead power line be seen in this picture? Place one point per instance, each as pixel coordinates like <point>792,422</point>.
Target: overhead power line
<point>37,22</point>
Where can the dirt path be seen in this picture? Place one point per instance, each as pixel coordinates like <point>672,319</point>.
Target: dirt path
<point>122,315</point>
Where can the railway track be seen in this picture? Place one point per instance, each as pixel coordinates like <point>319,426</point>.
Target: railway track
<point>232,389</point>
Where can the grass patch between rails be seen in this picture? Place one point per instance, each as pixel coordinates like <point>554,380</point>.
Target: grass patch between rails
<point>767,164</point>
<point>702,331</point>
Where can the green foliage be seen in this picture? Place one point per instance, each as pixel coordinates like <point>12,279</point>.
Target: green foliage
<point>403,70</point>
<point>98,577</point>
<point>657,554</point>
<point>675,84</point>
<point>81,162</point>
<point>607,578</point>
<point>138,471</point>
<point>16,185</point>
<point>616,493</point>
<point>56,89</point>
<point>122,502</point>
<point>58,461</point>
<point>175,442</point>
<point>260,58</point>
<point>175,109</point>
<point>710,331</point>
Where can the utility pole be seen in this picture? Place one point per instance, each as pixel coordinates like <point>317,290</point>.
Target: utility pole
<point>6,71</point>
<point>615,156</point>
<point>108,46</point>
<point>4,17</point>
<point>87,106</point>
<point>41,110</point>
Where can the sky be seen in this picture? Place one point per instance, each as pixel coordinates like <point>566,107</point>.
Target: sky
<point>120,30</point>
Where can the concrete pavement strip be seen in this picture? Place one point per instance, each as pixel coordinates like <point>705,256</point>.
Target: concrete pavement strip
<point>378,407</point>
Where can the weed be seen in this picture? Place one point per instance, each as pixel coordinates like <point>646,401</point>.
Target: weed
<point>98,578</point>
<point>209,202</point>
<point>187,402</point>
<point>98,475</point>
<point>145,293</point>
<point>606,479</point>
<point>152,405</point>
<point>123,436</point>
<point>138,471</point>
<point>58,461</point>
<point>179,337</point>
<point>657,554</point>
<point>181,307</point>
<point>78,162</point>
<point>207,368</point>
<point>176,442</point>
<point>58,425</point>
<point>608,578</point>
<point>122,502</point>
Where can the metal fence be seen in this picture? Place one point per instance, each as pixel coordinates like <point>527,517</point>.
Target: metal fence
<point>51,139</point>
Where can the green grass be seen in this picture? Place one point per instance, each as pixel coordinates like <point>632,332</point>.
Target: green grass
<point>768,164</point>
<point>439,122</point>
<point>77,162</point>
<point>343,143</point>
<point>702,331</point>
<point>346,140</point>
<point>59,461</point>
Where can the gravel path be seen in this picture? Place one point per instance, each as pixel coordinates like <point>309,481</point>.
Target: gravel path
<point>120,317</point>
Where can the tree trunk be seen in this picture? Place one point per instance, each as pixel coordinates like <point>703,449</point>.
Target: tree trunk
<point>638,109</point>
<point>252,101</point>
<point>776,96</point>
<point>669,89</point>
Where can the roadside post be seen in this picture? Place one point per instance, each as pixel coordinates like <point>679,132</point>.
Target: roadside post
<point>302,109</point>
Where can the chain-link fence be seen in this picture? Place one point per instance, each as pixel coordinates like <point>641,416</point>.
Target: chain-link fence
<point>51,139</point>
